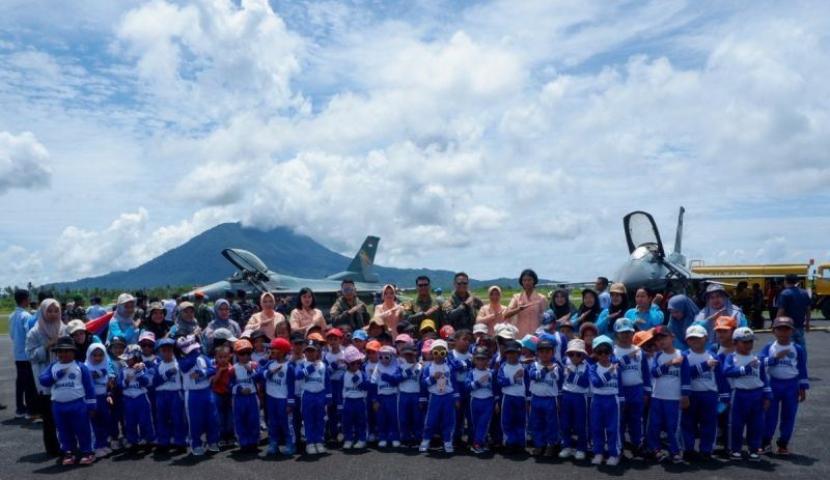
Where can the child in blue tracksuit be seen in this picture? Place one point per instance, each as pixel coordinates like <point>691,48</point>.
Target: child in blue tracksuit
<point>512,381</point>
<point>636,383</point>
<point>134,379</point>
<point>197,370</point>
<point>170,416</point>
<point>98,365</point>
<point>73,401</point>
<point>481,386</point>
<point>278,375</point>
<point>463,360</point>
<point>606,396</point>
<point>356,385</point>
<point>669,394</point>
<point>750,395</point>
<point>115,349</point>
<point>372,351</point>
<point>245,403</point>
<point>333,358</point>
<point>700,419</point>
<point>544,390</point>
<point>438,378</point>
<point>386,377</point>
<point>786,364</point>
<point>410,397</point>
<point>573,407</point>
<point>316,397</point>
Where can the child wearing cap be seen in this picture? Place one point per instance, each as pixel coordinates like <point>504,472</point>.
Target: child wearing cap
<point>670,394</point>
<point>372,350</point>
<point>636,383</point>
<point>197,372</point>
<point>333,358</point>
<point>170,415</point>
<point>386,376</point>
<point>243,379</point>
<point>700,419</point>
<point>134,380</point>
<point>115,349</point>
<point>98,365</point>
<point>354,406</point>
<point>278,375</point>
<point>723,346</point>
<point>544,390</point>
<point>574,401</point>
<point>481,385</point>
<point>513,382</point>
<point>147,343</point>
<point>438,378</point>
<point>220,386</point>
<point>786,363</point>
<point>528,355</point>
<point>463,359</point>
<point>316,396</point>
<point>750,395</point>
<point>606,379</point>
<point>410,396</point>
<point>295,358</point>
<point>260,341</point>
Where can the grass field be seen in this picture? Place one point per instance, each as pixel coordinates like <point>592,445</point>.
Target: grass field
<point>4,320</point>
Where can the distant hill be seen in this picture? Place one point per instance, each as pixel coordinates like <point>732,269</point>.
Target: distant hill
<point>199,261</point>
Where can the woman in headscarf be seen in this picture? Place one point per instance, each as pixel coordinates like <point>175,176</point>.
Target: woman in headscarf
<point>561,309</point>
<point>186,323</point>
<point>389,311</point>
<point>266,319</point>
<point>682,312</point>
<point>492,313</point>
<point>39,342</point>
<point>306,314</point>
<point>122,323</point>
<point>717,305</point>
<point>589,310</point>
<point>155,321</point>
<point>528,306</point>
<point>617,309</point>
<point>222,319</point>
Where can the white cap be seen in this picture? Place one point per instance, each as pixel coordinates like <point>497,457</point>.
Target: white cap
<point>695,331</point>
<point>742,334</point>
<point>124,298</point>
<point>506,330</point>
<point>436,344</point>
<point>479,328</point>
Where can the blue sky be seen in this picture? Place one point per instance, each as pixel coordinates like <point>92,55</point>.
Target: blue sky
<point>485,136</point>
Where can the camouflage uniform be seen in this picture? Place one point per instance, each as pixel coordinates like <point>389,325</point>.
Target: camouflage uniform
<point>413,312</point>
<point>459,314</point>
<point>78,313</point>
<point>204,315</point>
<point>248,309</point>
<point>236,312</point>
<point>340,316</point>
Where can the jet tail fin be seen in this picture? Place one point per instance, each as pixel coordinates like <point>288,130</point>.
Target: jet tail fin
<point>360,268</point>
<point>678,238</point>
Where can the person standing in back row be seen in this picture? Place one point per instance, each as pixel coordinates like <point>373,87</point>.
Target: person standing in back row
<point>348,310</point>
<point>794,302</point>
<point>461,310</point>
<point>528,306</point>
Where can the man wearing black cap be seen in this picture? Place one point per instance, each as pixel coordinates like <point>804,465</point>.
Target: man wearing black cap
<point>794,302</point>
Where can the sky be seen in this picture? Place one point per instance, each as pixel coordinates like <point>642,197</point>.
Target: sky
<point>478,136</point>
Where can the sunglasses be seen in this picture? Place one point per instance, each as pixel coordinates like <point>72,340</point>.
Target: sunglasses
<point>348,289</point>
<point>439,353</point>
<point>421,285</point>
<point>462,283</point>
<point>385,357</point>
<point>602,352</point>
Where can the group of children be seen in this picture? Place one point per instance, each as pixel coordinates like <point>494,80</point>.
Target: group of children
<point>558,397</point>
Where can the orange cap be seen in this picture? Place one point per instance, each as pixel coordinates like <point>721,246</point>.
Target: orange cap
<point>373,346</point>
<point>316,337</point>
<point>641,337</point>
<point>726,322</point>
<point>242,345</point>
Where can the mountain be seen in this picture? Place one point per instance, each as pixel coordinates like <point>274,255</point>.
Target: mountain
<point>199,261</point>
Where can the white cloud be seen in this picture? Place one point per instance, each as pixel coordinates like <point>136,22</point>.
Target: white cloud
<point>23,162</point>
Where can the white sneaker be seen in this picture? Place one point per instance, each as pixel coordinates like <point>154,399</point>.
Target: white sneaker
<point>396,443</point>
<point>321,448</point>
<point>311,449</point>
<point>597,460</point>
<point>424,448</point>
<point>579,455</point>
<point>359,445</point>
<point>115,445</point>
<point>448,448</point>
<point>197,451</point>
<point>612,461</point>
<point>107,451</point>
<point>347,445</point>
<point>212,447</point>
<point>382,444</point>
<point>339,437</point>
<point>100,452</point>
<point>566,453</point>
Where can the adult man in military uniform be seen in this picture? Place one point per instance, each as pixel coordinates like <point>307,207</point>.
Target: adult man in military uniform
<point>248,308</point>
<point>236,311</point>
<point>348,309</point>
<point>424,306</point>
<point>77,312</point>
<point>204,315</point>
<point>461,309</point>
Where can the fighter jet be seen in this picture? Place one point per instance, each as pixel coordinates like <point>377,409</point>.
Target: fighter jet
<point>256,278</point>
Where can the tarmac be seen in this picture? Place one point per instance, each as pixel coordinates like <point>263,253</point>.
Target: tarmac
<point>22,452</point>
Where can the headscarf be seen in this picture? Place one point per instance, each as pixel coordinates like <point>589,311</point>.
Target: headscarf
<point>622,307</point>
<point>50,330</point>
<point>122,318</point>
<point>91,350</point>
<point>221,322</point>
<point>560,311</point>
<point>684,304</point>
<point>383,292</point>
<point>592,317</point>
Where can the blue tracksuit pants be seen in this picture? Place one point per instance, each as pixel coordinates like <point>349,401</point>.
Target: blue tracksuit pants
<point>410,419</point>
<point>664,416</point>
<point>246,419</point>
<point>605,425</point>
<point>700,420</point>
<point>544,421</point>
<point>631,410</point>
<point>201,416</point>
<point>573,411</point>
<point>223,405</point>
<point>440,417</point>
<point>138,419</point>
<point>513,416</point>
<point>116,415</point>
<point>354,419</point>
<point>170,418</point>
<point>784,403</point>
<point>72,423</point>
<point>101,422</point>
<point>314,416</point>
<point>481,414</point>
<point>334,418</point>
<point>280,423</point>
<point>463,416</point>
<point>747,412</point>
<point>388,418</point>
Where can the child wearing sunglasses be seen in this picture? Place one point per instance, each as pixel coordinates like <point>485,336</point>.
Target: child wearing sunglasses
<point>606,379</point>
<point>574,401</point>
<point>386,377</point>
<point>750,395</point>
<point>438,378</point>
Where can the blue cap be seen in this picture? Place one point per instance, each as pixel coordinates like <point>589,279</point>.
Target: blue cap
<point>602,339</point>
<point>165,342</point>
<point>623,325</point>
<point>528,343</point>
<point>360,335</point>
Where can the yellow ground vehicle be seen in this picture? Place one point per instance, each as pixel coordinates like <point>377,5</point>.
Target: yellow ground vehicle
<point>816,279</point>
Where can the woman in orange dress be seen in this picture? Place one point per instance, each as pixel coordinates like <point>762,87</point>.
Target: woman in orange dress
<point>306,314</point>
<point>493,312</point>
<point>528,307</point>
<point>265,320</point>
